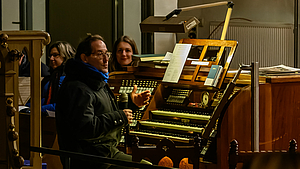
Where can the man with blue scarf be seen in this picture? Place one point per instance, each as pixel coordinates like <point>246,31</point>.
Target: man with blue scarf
<point>88,118</point>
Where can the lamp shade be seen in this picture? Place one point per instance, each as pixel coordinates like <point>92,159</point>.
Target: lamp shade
<point>179,24</point>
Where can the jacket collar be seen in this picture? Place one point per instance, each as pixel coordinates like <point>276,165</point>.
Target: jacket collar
<point>76,70</point>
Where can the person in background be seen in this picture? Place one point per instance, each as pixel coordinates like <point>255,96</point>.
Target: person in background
<point>60,52</point>
<point>24,66</point>
<point>123,49</point>
<point>88,118</point>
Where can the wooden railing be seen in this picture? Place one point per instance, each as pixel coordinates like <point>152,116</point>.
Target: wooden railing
<point>92,158</point>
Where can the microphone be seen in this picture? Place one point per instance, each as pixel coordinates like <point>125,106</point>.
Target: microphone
<point>123,98</point>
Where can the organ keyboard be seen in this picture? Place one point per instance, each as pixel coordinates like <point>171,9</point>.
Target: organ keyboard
<point>160,135</point>
<point>188,115</point>
<point>126,87</point>
<point>121,83</point>
<point>172,125</point>
<point>180,120</point>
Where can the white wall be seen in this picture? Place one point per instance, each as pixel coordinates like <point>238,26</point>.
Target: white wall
<point>132,19</point>
<point>39,19</point>
<point>39,15</point>
<point>10,13</point>
<point>164,42</point>
<point>256,10</point>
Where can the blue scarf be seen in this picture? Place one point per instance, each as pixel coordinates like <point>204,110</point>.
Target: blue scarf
<point>104,76</point>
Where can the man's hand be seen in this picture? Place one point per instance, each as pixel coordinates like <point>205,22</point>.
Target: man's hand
<point>128,113</point>
<point>140,99</point>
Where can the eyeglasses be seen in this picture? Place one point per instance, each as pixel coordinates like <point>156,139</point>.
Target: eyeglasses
<point>101,55</point>
<point>55,55</point>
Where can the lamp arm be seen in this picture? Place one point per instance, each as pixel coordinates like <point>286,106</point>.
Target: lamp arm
<point>177,11</point>
<point>229,4</point>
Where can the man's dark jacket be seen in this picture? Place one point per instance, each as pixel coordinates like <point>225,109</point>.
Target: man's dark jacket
<point>87,115</point>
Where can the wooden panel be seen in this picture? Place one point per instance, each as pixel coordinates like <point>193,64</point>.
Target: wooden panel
<point>279,118</point>
<point>285,114</point>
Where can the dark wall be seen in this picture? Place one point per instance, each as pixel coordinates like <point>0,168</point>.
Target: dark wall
<point>70,20</point>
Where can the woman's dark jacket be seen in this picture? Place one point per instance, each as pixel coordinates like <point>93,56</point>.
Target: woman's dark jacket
<point>54,80</point>
<point>87,115</point>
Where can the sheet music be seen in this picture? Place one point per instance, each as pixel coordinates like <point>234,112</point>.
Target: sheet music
<point>177,62</point>
<point>24,90</point>
<point>168,56</point>
<point>51,113</point>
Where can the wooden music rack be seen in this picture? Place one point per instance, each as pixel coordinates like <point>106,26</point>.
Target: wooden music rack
<point>200,74</point>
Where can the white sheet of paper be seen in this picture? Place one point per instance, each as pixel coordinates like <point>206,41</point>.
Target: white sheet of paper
<point>23,107</point>
<point>177,62</point>
<point>51,113</point>
<point>199,63</point>
<point>168,56</point>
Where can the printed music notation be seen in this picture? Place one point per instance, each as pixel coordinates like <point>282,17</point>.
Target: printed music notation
<point>177,62</point>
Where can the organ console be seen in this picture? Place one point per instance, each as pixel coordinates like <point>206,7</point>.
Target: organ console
<point>180,112</point>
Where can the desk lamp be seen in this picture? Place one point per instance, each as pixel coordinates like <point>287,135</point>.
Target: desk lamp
<point>182,24</point>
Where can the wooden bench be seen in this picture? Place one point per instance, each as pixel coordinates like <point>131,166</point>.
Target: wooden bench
<point>235,156</point>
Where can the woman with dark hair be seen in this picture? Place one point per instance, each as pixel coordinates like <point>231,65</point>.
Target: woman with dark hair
<point>123,50</point>
<point>60,52</point>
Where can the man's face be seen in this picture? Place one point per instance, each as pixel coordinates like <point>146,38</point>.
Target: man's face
<point>98,58</point>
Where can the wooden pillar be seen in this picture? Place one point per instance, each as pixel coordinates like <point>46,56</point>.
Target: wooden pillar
<point>9,156</point>
<point>34,41</point>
